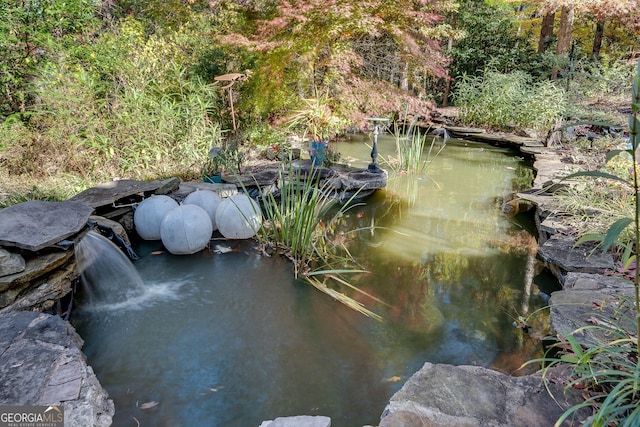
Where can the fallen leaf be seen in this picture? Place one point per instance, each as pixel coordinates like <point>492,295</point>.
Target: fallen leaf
<point>148,405</point>
<point>593,320</point>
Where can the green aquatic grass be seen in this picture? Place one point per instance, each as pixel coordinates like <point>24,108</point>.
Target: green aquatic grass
<point>298,223</point>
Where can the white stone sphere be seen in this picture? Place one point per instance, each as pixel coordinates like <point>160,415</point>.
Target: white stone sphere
<point>238,217</point>
<point>149,214</point>
<point>207,200</point>
<point>186,229</point>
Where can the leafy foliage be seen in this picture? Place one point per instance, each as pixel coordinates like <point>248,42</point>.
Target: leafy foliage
<point>126,106</point>
<point>489,41</point>
<point>512,100</point>
<point>31,34</point>
<point>316,119</point>
<point>320,44</point>
<point>608,371</point>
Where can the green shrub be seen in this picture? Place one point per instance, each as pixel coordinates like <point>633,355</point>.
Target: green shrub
<point>295,216</point>
<point>511,100</point>
<point>125,107</point>
<point>605,79</point>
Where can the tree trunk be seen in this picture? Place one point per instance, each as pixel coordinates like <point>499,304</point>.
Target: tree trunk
<point>447,88</point>
<point>404,76</point>
<point>564,36</point>
<point>597,39</point>
<point>546,31</point>
<point>564,32</point>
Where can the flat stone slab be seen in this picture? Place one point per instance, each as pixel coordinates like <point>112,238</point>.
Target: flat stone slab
<point>41,364</point>
<point>548,167</point>
<point>473,396</point>
<point>42,293</point>
<point>461,129</point>
<point>107,193</point>
<point>341,181</point>
<point>356,179</point>
<point>592,299</point>
<point>553,224</point>
<point>186,188</point>
<point>561,251</point>
<point>35,224</point>
<point>481,135</point>
<point>261,178</point>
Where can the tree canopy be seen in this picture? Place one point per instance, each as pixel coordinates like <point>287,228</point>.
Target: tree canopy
<point>369,55</point>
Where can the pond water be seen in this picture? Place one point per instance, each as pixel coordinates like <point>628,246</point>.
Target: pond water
<point>228,337</point>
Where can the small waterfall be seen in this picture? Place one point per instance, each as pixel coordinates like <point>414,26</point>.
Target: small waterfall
<point>108,277</point>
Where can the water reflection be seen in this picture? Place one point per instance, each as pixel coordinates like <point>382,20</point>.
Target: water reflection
<point>245,342</point>
<point>452,268</point>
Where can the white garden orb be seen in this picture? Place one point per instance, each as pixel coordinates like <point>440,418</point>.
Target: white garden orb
<point>149,214</point>
<point>238,217</point>
<point>186,229</point>
<point>207,200</point>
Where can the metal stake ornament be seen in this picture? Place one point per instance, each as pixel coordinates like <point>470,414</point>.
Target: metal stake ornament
<point>377,121</point>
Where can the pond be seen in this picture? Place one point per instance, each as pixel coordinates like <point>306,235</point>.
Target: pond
<point>228,337</point>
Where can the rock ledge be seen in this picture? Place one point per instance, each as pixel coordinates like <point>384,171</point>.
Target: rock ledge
<point>41,364</point>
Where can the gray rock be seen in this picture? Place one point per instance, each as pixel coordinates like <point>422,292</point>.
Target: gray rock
<point>342,181</point>
<point>110,193</point>
<point>114,226</point>
<point>186,188</point>
<point>299,421</point>
<point>446,395</point>
<point>553,224</point>
<point>561,252</point>
<point>465,130</point>
<point>46,277</point>
<point>10,263</point>
<point>592,299</point>
<point>41,364</point>
<point>35,224</point>
<point>362,179</point>
<point>598,282</point>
